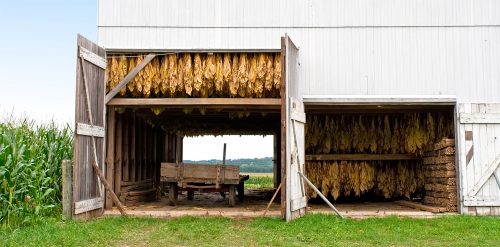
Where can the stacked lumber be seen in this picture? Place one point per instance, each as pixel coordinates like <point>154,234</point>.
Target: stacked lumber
<point>387,179</point>
<point>246,75</point>
<point>440,175</point>
<point>133,193</point>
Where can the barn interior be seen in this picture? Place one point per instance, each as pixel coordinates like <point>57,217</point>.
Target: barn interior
<point>181,95</point>
<point>382,156</point>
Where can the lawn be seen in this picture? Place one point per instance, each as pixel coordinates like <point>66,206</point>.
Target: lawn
<point>313,230</point>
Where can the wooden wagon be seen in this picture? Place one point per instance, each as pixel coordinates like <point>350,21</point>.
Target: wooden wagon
<point>203,178</point>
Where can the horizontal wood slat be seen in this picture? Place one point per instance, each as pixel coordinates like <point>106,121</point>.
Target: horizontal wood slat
<point>88,205</point>
<point>487,118</point>
<point>206,102</point>
<point>481,203</point>
<point>89,130</point>
<point>320,157</point>
<point>93,58</point>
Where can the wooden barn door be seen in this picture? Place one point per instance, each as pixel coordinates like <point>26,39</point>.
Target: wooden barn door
<point>296,200</point>
<point>479,138</point>
<point>88,192</point>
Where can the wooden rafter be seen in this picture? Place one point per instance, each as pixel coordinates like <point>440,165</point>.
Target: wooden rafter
<point>128,78</point>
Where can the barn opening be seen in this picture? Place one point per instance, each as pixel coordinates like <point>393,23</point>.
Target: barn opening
<point>183,95</point>
<point>382,159</point>
<point>147,142</point>
<point>253,154</point>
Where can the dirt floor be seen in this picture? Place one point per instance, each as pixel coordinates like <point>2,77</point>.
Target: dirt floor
<point>256,200</point>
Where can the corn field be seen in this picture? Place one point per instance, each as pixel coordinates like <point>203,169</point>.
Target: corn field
<point>30,170</point>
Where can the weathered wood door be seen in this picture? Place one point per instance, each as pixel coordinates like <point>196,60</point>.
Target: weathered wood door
<point>479,159</point>
<point>296,200</point>
<point>88,192</point>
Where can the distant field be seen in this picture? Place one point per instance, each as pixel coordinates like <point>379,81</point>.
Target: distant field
<point>259,180</point>
<point>252,174</point>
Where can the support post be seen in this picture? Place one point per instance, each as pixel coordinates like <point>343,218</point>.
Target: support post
<point>67,189</point>
<point>110,154</point>
<point>118,156</point>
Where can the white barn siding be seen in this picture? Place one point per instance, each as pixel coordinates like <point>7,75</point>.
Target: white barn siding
<point>363,47</point>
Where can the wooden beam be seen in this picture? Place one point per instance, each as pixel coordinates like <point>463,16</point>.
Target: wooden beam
<point>486,118</point>
<point>118,156</point>
<point>205,102</point>
<point>421,206</point>
<point>319,157</point>
<point>110,155</point>
<point>128,78</point>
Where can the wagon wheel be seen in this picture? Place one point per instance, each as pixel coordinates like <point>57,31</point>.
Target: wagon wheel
<point>190,195</point>
<point>241,191</point>
<point>232,195</point>
<point>173,193</point>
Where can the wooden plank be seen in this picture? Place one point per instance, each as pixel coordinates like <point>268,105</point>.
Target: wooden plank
<point>481,203</point>
<point>140,192</point>
<point>140,150</point>
<point>299,203</point>
<point>421,206</point>
<point>89,130</point>
<point>198,173</point>
<point>93,58</point>
<point>275,161</point>
<point>296,113</point>
<point>439,160</point>
<point>110,155</point>
<point>145,181</point>
<point>88,205</point>
<point>128,78</point>
<point>118,155</point>
<point>284,96</point>
<point>485,176</point>
<point>268,103</point>
<point>133,157</point>
<point>480,118</point>
<point>67,189</point>
<point>444,143</point>
<point>126,149</point>
<point>320,157</point>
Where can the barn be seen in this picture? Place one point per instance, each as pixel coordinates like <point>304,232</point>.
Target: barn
<point>367,101</point>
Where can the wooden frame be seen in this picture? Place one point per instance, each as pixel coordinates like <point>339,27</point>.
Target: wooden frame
<point>320,157</point>
<point>265,103</point>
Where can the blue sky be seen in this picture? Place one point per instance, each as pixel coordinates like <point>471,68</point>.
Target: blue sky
<point>38,54</point>
<point>37,70</point>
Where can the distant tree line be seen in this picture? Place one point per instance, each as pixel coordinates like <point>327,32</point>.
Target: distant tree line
<point>256,165</point>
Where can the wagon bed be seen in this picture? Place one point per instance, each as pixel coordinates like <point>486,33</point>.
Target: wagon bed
<point>203,178</point>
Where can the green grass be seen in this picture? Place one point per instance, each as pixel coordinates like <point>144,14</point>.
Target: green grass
<point>30,170</point>
<point>259,182</point>
<point>312,230</point>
